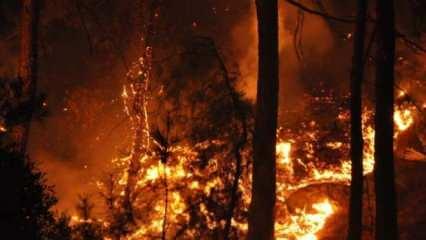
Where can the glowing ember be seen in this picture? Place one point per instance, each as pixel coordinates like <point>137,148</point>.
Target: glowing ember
<point>401,94</point>
<point>403,119</point>
<point>168,185</point>
<point>305,224</point>
<point>283,152</point>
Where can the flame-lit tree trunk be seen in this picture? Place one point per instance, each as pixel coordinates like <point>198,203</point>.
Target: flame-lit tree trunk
<point>357,75</point>
<point>386,210</point>
<point>139,112</point>
<point>262,208</point>
<point>28,69</point>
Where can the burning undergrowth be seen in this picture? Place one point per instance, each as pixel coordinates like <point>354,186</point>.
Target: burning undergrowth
<point>187,175</point>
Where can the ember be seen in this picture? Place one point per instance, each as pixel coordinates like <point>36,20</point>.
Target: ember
<point>262,120</point>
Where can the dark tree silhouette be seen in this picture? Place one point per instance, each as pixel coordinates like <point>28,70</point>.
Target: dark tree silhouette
<point>386,210</point>
<point>262,214</point>
<point>87,228</point>
<point>26,199</point>
<point>28,69</point>
<point>61,230</point>
<point>357,76</point>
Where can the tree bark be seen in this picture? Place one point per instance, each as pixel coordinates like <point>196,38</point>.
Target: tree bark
<point>386,210</point>
<point>28,70</point>
<point>262,214</point>
<point>357,76</point>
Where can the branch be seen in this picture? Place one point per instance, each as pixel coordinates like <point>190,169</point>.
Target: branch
<point>322,14</point>
<point>84,25</point>
<point>351,20</point>
<point>241,140</point>
<point>107,34</point>
<point>409,42</point>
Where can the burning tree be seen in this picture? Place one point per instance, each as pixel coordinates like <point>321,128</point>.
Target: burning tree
<point>194,179</point>
<point>188,172</point>
<point>185,172</point>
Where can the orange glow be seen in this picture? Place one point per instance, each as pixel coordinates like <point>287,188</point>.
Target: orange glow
<point>172,180</point>
<point>403,119</point>
<point>304,224</point>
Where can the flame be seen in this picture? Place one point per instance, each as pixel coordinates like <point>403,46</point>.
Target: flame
<point>283,150</point>
<point>403,119</point>
<point>173,183</point>
<point>304,225</point>
<point>401,94</point>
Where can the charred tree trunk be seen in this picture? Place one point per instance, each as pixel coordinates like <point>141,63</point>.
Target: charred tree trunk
<point>386,210</point>
<point>357,75</point>
<point>28,70</point>
<point>262,208</point>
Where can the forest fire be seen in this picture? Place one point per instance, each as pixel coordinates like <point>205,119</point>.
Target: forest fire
<point>221,120</point>
<point>176,179</point>
<point>302,224</point>
<point>169,184</point>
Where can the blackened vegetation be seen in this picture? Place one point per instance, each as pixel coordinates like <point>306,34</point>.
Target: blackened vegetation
<point>16,110</point>
<point>26,212</point>
<point>27,201</point>
<point>88,227</point>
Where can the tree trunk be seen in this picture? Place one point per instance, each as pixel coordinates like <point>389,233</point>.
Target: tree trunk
<point>357,75</point>
<point>262,214</point>
<point>28,70</point>
<point>141,141</point>
<point>386,210</point>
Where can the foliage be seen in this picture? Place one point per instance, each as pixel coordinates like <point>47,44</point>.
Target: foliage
<point>27,199</point>
<point>87,228</point>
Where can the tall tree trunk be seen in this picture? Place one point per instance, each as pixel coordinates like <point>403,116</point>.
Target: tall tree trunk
<point>28,70</point>
<point>386,210</point>
<point>262,214</point>
<point>357,75</point>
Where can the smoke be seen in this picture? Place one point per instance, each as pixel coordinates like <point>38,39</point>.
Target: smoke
<point>317,43</point>
<point>77,141</point>
<point>82,73</point>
